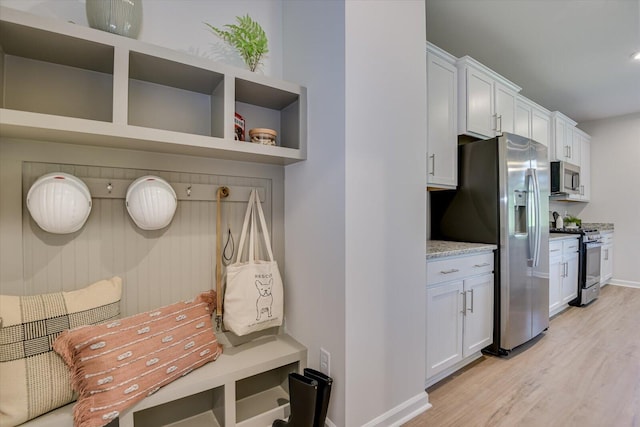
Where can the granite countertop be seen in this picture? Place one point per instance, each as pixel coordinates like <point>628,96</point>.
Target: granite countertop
<point>600,226</point>
<point>441,248</point>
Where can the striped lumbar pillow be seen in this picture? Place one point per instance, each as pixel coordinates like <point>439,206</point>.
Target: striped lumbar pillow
<point>117,364</point>
<point>34,378</point>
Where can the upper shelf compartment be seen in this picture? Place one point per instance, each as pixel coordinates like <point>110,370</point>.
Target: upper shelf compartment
<point>68,83</point>
<point>51,73</point>
<point>265,106</point>
<point>172,96</point>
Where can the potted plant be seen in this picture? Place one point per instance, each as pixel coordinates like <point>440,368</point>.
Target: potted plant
<point>247,37</point>
<point>572,221</point>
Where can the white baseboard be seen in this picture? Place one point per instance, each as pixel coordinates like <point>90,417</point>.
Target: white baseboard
<point>402,413</point>
<point>451,369</point>
<point>329,423</point>
<point>626,283</point>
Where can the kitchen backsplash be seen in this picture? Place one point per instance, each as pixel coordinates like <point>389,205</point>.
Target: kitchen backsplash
<point>573,209</point>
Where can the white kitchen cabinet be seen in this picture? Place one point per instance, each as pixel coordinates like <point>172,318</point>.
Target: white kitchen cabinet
<point>459,312</point>
<point>486,100</point>
<point>478,317</point>
<point>442,119</point>
<point>523,117</point>
<point>570,280</point>
<point>444,326</point>
<point>505,108</point>
<point>606,257</point>
<point>541,125</point>
<point>532,121</point>
<point>581,143</point>
<point>563,273</point>
<point>556,274</point>
<point>585,164</point>
<point>563,147</point>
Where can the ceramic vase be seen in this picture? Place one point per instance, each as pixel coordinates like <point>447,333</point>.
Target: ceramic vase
<point>122,17</point>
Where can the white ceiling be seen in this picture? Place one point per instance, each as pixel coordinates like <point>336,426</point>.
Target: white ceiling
<point>567,55</point>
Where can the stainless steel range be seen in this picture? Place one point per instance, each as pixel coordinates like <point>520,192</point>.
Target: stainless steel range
<point>588,264</point>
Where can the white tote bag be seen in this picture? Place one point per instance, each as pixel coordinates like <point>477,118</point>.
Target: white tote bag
<point>253,299</point>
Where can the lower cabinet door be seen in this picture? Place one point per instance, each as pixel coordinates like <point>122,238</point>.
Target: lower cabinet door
<point>478,319</point>
<point>444,326</point>
<point>570,281</point>
<point>556,275</point>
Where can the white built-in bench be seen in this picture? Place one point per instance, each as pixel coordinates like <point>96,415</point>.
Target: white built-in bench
<point>247,386</point>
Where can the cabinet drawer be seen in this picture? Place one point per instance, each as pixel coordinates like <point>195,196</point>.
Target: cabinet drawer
<point>555,248</point>
<point>454,268</point>
<point>607,238</point>
<point>569,246</point>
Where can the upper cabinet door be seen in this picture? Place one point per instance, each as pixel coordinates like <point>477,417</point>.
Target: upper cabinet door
<point>585,168</point>
<point>532,121</point>
<point>442,123</point>
<point>480,102</point>
<point>505,111</point>
<point>563,139</point>
<point>486,100</point>
<point>540,126</point>
<point>523,119</point>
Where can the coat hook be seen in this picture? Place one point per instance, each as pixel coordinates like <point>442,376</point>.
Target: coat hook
<point>223,192</point>
<point>109,187</point>
<point>189,191</point>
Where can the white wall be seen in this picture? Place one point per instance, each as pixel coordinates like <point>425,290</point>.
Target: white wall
<point>315,190</point>
<point>355,209</point>
<point>615,197</point>
<point>385,206</point>
<point>179,24</point>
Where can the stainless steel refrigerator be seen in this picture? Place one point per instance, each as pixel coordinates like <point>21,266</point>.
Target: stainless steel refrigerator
<point>503,198</point>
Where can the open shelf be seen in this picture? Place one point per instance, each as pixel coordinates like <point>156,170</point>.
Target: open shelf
<point>269,107</point>
<point>263,393</point>
<point>45,72</point>
<point>68,83</point>
<point>205,408</point>
<point>168,95</point>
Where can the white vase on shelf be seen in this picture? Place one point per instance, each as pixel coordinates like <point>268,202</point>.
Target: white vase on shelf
<point>122,17</point>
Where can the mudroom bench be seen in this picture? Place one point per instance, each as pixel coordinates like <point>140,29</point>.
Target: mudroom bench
<point>247,386</point>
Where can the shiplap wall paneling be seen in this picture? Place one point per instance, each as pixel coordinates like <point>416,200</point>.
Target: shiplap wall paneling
<point>158,267</point>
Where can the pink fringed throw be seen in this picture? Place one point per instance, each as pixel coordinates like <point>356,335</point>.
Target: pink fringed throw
<point>117,364</point>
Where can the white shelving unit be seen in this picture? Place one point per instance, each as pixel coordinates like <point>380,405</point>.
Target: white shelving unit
<point>61,82</point>
<point>246,387</point>
<point>68,83</point>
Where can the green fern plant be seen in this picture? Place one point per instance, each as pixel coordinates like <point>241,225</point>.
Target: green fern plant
<point>247,37</point>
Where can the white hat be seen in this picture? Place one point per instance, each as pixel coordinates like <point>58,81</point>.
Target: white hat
<point>59,203</point>
<point>151,202</point>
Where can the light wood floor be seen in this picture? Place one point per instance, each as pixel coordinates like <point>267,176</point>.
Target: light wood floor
<point>584,371</point>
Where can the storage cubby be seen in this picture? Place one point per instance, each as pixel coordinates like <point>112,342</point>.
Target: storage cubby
<point>55,75</point>
<point>269,107</point>
<point>201,409</point>
<point>168,95</point>
<point>265,395</point>
<point>50,73</point>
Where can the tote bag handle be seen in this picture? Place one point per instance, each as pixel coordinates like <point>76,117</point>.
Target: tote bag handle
<point>253,207</point>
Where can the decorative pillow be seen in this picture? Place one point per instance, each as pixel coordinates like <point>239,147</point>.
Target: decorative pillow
<point>34,378</point>
<point>117,364</point>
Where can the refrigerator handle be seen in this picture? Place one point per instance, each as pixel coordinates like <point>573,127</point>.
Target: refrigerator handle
<point>533,222</point>
<point>538,218</point>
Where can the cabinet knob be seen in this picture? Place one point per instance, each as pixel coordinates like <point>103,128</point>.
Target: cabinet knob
<point>453,270</point>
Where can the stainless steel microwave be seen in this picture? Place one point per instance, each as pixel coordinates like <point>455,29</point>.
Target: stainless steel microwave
<point>565,178</point>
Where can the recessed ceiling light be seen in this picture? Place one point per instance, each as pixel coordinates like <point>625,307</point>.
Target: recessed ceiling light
<point>635,56</point>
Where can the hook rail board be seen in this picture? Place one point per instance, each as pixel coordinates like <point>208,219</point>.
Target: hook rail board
<point>107,188</point>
